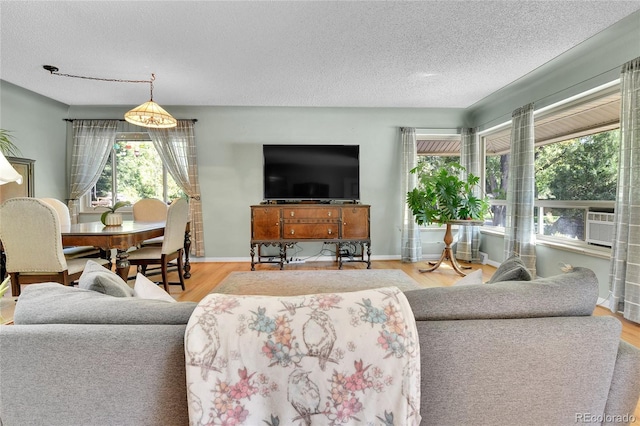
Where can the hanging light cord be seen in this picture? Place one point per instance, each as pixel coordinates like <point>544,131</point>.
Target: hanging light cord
<point>54,70</point>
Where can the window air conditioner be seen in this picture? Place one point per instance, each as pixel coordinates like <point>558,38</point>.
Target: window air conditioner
<point>600,228</point>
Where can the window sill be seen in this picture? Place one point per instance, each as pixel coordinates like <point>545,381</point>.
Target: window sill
<point>575,247</point>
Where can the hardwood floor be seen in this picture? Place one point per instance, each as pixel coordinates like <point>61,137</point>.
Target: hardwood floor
<point>205,276</point>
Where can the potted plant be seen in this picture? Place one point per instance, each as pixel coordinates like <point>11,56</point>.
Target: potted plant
<point>7,147</point>
<point>110,217</point>
<point>442,196</point>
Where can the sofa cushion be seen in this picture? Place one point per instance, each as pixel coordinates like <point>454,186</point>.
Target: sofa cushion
<point>144,288</point>
<point>98,278</point>
<point>571,294</point>
<point>512,269</point>
<point>52,303</point>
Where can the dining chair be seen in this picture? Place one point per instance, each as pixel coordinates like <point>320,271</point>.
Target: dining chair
<point>65,221</point>
<point>150,210</point>
<point>172,246</point>
<point>32,241</point>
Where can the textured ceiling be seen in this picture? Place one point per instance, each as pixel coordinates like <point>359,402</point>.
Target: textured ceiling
<point>299,53</point>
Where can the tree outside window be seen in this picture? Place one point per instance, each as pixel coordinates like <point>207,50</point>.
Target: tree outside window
<point>138,173</point>
<point>580,169</point>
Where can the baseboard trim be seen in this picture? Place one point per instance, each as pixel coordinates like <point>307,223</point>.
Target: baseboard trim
<point>312,259</point>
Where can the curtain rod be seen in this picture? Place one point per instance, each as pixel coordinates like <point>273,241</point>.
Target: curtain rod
<point>71,120</point>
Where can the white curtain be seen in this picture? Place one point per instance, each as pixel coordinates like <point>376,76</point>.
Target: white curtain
<point>177,148</point>
<point>468,247</point>
<point>92,142</point>
<point>410,239</point>
<point>624,271</point>
<point>519,235</point>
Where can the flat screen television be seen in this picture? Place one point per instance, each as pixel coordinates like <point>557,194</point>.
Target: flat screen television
<point>311,172</point>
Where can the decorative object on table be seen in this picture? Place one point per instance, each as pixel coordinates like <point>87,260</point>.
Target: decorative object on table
<point>442,197</point>
<point>110,217</point>
<point>149,114</point>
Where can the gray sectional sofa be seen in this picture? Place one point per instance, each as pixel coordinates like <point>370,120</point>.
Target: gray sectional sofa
<point>506,353</point>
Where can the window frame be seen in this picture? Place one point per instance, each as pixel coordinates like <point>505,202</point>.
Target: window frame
<point>550,111</point>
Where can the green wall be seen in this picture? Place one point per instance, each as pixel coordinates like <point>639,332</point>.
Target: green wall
<point>39,131</point>
<point>230,161</point>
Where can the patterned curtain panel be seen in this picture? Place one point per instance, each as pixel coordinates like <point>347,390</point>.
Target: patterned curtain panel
<point>92,142</point>
<point>519,236</point>
<point>624,271</point>
<point>468,247</point>
<point>177,148</point>
<point>411,242</point>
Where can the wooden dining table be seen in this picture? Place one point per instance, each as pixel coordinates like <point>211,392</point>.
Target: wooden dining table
<point>121,238</point>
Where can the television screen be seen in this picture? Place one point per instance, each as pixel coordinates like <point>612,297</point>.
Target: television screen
<point>311,172</point>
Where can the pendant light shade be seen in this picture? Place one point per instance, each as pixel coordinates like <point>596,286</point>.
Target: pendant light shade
<point>150,114</point>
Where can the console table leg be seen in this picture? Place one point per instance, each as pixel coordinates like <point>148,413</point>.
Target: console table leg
<point>369,255</point>
<point>253,263</point>
<point>283,255</point>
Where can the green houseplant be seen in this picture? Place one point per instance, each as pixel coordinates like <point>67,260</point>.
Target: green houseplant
<point>442,196</point>
<point>7,147</point>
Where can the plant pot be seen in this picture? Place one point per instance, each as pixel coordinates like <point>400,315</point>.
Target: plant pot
<point>113,219</point>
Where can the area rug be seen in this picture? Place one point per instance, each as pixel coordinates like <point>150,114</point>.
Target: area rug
<point>295,283</point>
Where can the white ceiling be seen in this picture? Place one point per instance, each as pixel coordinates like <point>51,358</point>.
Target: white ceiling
<point>293,53</point>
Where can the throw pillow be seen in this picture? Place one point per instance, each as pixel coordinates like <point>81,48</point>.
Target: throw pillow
<point>472,278</point>
<point>98,278</point>
<point>144,288</point>
<point>512,269</point>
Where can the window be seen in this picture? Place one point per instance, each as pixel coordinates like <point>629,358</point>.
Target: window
<point>576,165</point>
<point>134,171</point>
<point>431,163</point>
<point>572,177</point>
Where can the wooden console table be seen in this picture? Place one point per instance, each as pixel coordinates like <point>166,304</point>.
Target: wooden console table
<point>283,225</point>
<point>447,253</point>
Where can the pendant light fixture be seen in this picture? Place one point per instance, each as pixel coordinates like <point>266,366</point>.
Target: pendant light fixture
<point>149,114</point>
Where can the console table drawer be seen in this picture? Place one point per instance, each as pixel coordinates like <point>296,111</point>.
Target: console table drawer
<point>311,213</point>
<point>310,231</point>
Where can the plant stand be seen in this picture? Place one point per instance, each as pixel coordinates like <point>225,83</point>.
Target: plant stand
<point>447,253</point>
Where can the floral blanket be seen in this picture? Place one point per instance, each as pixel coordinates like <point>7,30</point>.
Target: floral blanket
<point>322,359</point>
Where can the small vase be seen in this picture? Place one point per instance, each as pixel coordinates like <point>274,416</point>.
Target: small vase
<point>113,219</point>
